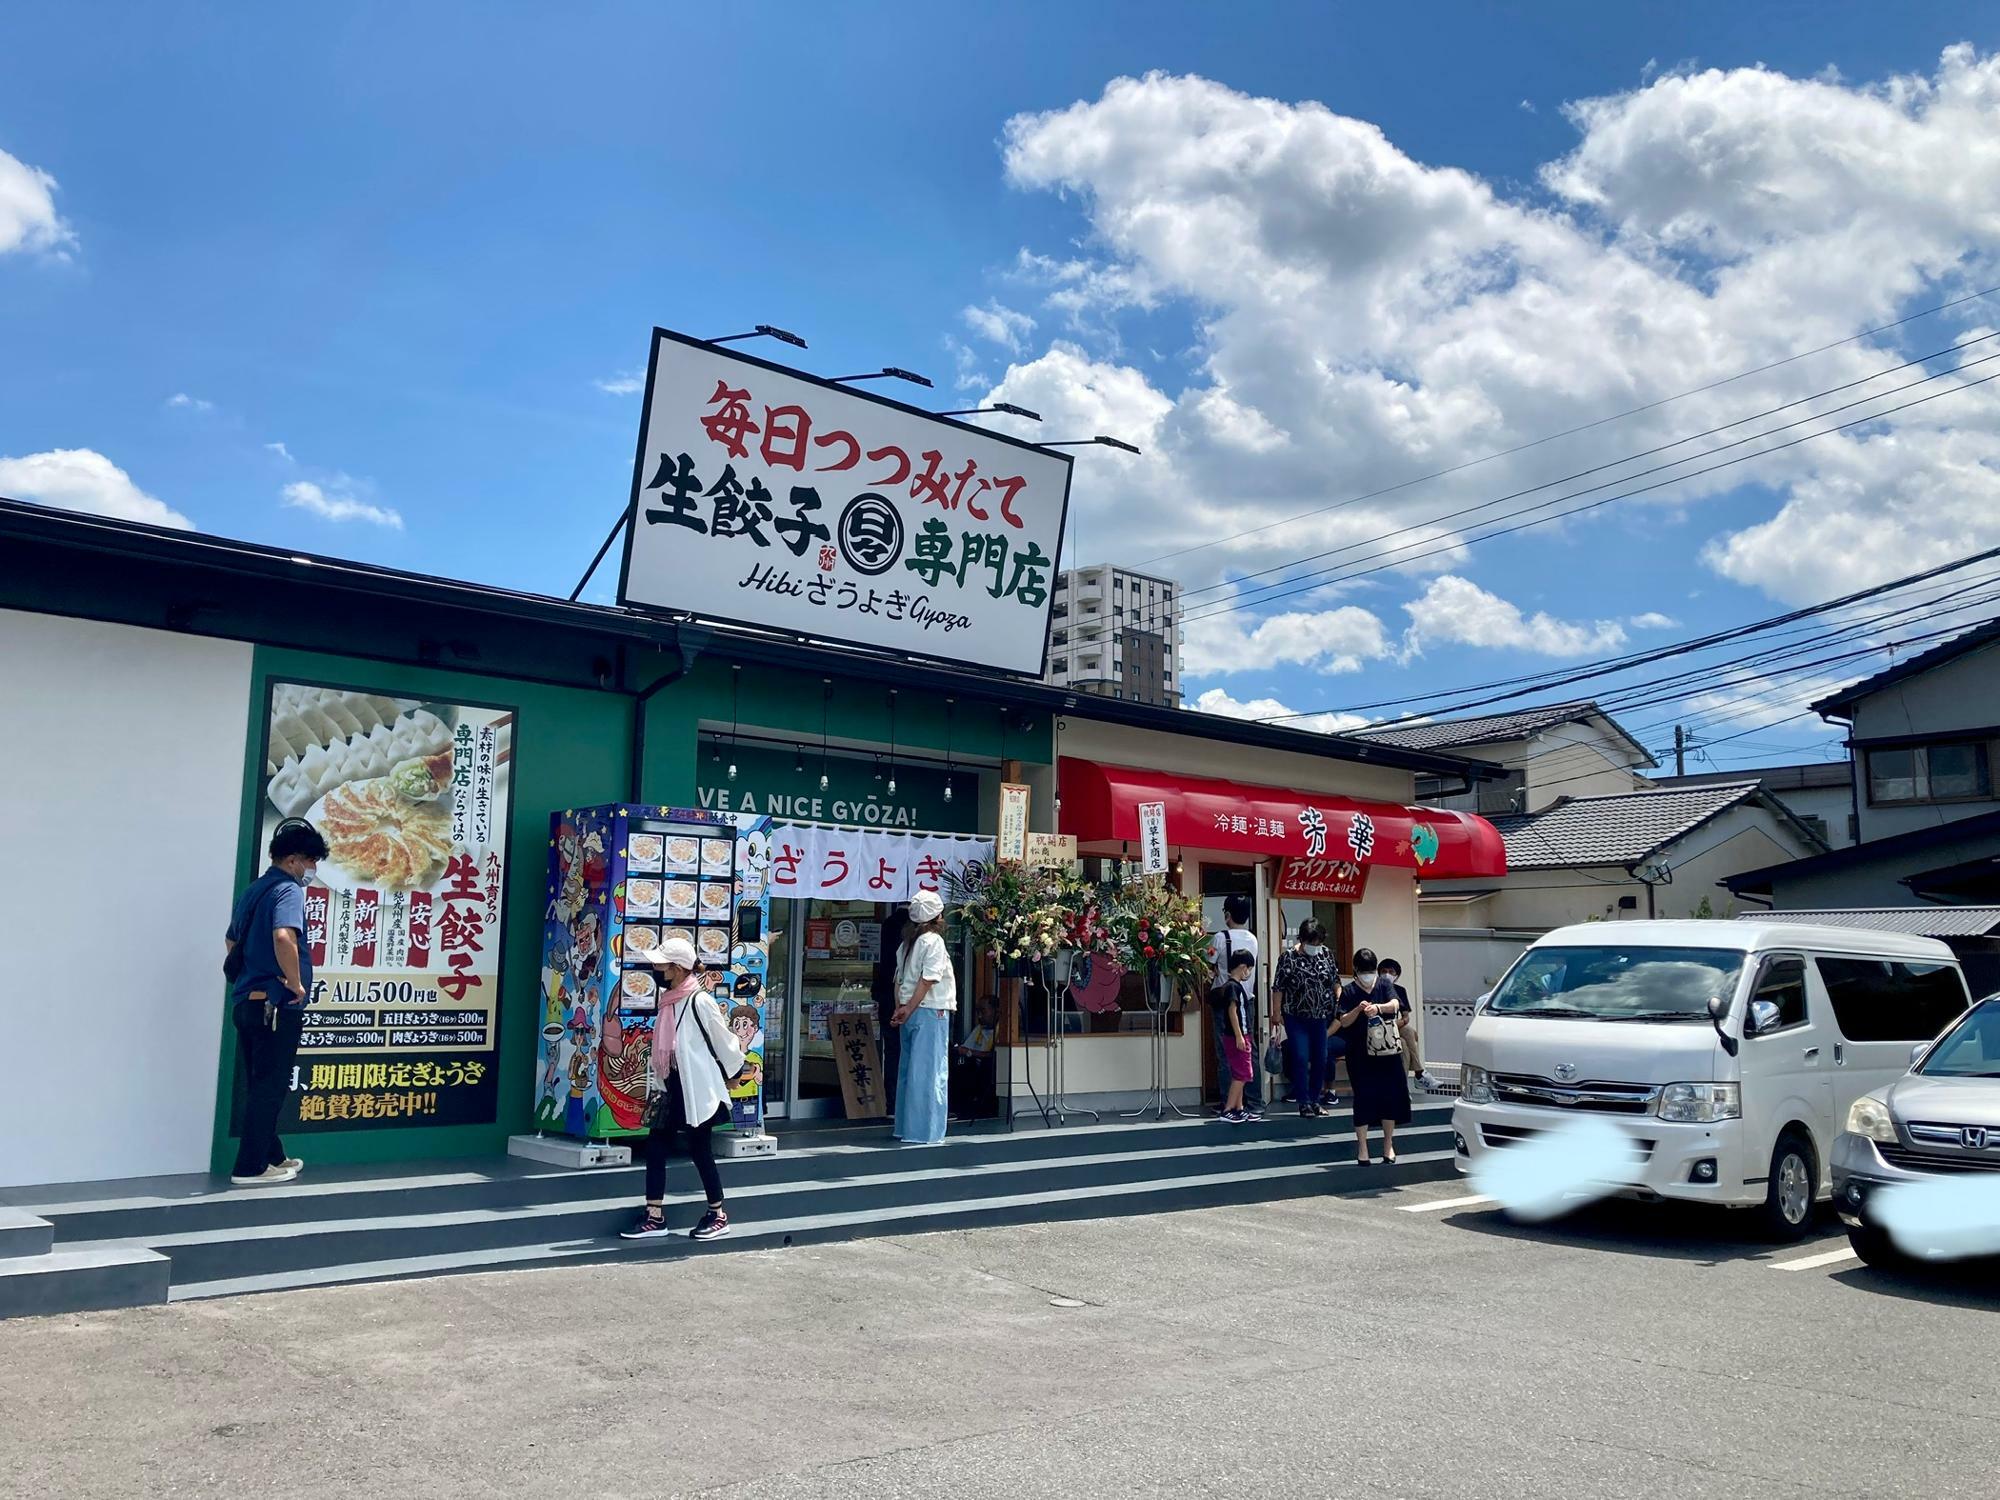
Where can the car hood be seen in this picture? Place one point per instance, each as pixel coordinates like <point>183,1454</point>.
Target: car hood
<point>1947,1101</point>
<point>1599,1051</point>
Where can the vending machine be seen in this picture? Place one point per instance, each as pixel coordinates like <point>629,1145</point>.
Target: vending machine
<point>622,879</point>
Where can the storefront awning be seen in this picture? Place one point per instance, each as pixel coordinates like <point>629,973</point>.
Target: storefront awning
<point>1100,804</point>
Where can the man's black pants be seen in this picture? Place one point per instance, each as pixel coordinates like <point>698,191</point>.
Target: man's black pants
<point>264,1056</point>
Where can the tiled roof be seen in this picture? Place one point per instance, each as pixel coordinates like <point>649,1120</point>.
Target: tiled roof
<point>1486,730</point>
<point>1918,921</point>
<point>1620,830</point>
<point>1978,637</point>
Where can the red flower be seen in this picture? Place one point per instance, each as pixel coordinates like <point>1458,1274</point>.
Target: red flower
<point>1150,953</point>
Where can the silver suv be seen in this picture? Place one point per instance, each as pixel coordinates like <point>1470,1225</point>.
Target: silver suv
<point>1943,1116</point>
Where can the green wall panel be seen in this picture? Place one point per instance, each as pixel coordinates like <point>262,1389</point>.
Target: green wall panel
<point>571,746</point>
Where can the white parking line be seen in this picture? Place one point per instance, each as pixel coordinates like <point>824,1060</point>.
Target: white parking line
<point>1811,1262</point>
<point>1443,1203</point>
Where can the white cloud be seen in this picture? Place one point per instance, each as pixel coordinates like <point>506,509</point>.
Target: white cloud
<point>624,383</point>
<point>182,401</point>
<point>281,450</point>
<point>304,495</point>
<point>83,480</point>
<point>1216,701</point>
<point>1333,640</point>
<point>1457,611</point>
<point>1000,325</point>
<point>1363,318</point>
<point>1652,619</point>
<point>28,217</point>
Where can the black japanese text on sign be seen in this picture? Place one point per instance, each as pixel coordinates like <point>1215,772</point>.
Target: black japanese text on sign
<point>764,497</point>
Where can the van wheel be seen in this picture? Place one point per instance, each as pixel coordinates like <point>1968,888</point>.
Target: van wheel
<point>1792,1191</point>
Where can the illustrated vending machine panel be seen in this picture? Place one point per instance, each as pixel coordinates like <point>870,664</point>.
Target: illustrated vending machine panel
<point>622,880</point>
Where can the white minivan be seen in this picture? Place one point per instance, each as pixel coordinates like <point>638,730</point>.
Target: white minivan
<point>1728,1053</point>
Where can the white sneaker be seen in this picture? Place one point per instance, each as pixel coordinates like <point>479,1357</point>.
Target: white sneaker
<point>293,1165</point>
<point>269,1177</point>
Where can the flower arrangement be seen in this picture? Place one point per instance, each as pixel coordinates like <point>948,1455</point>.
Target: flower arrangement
<point>1016,911</point>
<point>1156,924</point>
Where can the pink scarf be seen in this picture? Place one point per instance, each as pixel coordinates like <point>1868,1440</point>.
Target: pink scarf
<point>664,1025</point>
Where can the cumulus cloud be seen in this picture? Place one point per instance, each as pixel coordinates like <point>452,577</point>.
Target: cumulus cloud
<point>1457,611</point>
<point>83,480</point>
<point>1216,701</point>
<point>281,450</point>
<point>336,505</point>
<point>182,401</point>
<point>28,217</point>
<point>1652,619</point>
<point>623,383</point>
<point>1363,318</point>
<point>1000,325</point>
<point>1331,640</point>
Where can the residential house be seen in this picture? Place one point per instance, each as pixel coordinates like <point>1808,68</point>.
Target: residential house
<point>1562,750</point>
<point>1923,736</point>
<point>1819,793</point>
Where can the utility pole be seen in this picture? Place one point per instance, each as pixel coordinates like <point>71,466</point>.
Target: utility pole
<point>1680,751</point>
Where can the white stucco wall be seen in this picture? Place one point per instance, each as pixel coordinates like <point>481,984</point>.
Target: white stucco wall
<point>121,805</point>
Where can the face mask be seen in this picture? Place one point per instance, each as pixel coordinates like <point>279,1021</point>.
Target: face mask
<point>1366,981</point>
<point>1315,949</point>
<point>308,875</point>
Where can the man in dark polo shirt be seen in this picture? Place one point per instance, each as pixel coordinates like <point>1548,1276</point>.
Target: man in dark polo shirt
<point>268,996</point>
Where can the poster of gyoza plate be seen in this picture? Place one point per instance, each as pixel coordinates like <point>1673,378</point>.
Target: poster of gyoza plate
<point>403,919</point>
<point>767,498</point>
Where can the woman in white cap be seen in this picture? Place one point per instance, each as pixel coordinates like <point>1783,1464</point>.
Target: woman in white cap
<point>694,1055</point>
<point>926,995</point>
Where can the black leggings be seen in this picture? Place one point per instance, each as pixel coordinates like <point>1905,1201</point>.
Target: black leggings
<point>670,1121</point>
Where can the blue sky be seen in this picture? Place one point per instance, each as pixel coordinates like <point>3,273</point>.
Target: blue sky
<point>409,244</point>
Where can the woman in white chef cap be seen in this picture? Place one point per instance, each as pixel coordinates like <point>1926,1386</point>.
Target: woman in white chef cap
<point>926,995</point>
<point>695,1054</point>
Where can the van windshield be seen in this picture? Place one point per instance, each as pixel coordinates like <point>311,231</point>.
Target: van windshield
<point>1617,983</point>
<point>1971,1049</point>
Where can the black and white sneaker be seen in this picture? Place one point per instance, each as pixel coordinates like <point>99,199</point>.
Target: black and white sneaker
<point>713,1226</point>
<point>651,1226</point>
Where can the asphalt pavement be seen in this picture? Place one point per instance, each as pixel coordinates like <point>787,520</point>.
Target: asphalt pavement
<point>1406,1344</point>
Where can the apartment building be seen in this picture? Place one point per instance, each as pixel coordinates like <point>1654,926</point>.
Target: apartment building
<point>1117,633</point>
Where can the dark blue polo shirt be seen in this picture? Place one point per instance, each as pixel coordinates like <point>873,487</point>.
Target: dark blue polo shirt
<point>275,900</point>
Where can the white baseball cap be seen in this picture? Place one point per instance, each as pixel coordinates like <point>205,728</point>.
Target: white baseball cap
<point>673,951</point>
<point>926,906</point>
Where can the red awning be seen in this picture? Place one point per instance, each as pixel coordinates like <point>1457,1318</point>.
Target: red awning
<point>1100,804</point>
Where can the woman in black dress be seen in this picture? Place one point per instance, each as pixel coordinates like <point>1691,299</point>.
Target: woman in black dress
<point>1371,1018</point>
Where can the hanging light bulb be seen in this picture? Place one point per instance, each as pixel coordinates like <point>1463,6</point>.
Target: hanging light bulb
<point>892,781</point>
<point>732,770</point>
<point>947,789</point>
<point>823,782</point>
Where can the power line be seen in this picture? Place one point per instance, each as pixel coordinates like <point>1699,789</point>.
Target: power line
<point>1644,453</point>
<point>1586,426</point>
<point>1343,577</point>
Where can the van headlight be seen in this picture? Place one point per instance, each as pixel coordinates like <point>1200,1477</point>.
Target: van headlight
<point>1870,1117</point>
<point>1475,1085</point>
<point>1701,1103</point>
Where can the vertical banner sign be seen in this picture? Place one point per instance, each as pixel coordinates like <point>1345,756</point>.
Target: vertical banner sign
<point>1013,840</point>
<point>764,497</point>
<point>403,921</point>
<point>855,1054</point>
<point>1153,837</point>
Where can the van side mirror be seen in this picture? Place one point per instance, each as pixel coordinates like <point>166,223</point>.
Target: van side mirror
<point>1718,1012</point>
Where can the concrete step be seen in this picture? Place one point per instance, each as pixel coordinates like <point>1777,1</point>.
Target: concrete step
<point>87,1279</point>
<point>24,1234</point>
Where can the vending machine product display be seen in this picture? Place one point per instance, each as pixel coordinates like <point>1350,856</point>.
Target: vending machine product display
<point>622,879</point>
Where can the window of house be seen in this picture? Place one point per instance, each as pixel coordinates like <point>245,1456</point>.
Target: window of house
<point>1946,772</point>
<point>1881,1000</point>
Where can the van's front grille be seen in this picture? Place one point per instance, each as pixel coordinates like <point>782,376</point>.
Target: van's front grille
<point>1519,1135</point>
<point>1595,1097</point>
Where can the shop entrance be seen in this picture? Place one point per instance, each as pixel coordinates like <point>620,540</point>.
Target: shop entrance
<point>824,961</point>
